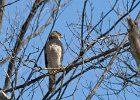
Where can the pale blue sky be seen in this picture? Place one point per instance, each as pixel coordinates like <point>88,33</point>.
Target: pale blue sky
<point>70,15</point>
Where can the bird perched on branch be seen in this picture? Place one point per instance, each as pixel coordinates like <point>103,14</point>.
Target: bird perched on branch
<point>134,39</point>
<point>53,57</point>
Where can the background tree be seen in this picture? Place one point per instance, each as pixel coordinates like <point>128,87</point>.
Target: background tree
<point>98,63</point>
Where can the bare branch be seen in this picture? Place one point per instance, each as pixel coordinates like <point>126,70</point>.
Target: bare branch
<point>134,39</point>
<point>93,91</point>
<point>2,2</point>
<point>18,43</point>
<point>3,96</point>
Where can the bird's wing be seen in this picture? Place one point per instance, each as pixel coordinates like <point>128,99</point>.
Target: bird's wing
<point>62,52</point>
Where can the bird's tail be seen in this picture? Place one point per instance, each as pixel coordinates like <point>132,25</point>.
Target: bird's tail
<point>52,84</point>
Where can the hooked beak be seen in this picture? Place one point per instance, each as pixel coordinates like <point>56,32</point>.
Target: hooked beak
<point>61,36</point>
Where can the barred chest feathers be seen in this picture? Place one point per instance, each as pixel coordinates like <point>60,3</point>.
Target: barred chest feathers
<point>54,55</point>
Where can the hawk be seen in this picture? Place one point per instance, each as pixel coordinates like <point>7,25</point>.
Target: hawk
<point>53,56</point>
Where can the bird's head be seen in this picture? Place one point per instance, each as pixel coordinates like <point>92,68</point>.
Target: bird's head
<point>55,35</point>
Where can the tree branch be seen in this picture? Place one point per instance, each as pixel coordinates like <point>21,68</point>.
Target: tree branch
<point>2,2</point>
<point>93,91</point>
<point>18,43</point>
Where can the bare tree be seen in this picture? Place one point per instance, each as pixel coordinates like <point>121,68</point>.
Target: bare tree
<point>98,62</point>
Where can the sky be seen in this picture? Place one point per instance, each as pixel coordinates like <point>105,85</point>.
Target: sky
<point>71,14</point>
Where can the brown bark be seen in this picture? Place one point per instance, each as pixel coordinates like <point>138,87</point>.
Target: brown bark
<point>2,3</point>
<point>3,96</point>
<point>18,43</point>
<point>134,39</point>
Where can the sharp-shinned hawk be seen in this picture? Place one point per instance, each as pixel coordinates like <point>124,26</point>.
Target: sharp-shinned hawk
<point>53,56</point>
